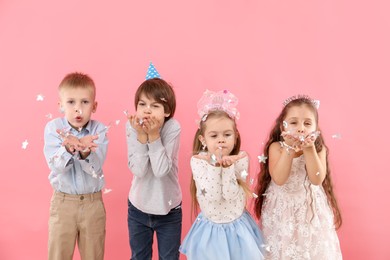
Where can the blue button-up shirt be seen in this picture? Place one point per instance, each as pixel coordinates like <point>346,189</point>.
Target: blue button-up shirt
<point>69,173</point>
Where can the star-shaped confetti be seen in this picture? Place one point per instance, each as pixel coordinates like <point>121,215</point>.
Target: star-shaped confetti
<point>262,158</point>
<point>255,195</point>
<point>336,136</point>
<point>170,202</point>
<point>251,181</point>
<point>203,191</point>
<point>24,144</point>
<point>244,174</point>
<point>106,191</point>
<point>40,97</point>
<point>49,116</point>
<point>117,122</point>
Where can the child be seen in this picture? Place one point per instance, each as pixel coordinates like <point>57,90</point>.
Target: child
<point>296,203</point>
<point>154,204</point>
<point>75,149</point>
<point>223,229</point>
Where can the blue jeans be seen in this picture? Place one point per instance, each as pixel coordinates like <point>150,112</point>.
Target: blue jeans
<point>141,230</point>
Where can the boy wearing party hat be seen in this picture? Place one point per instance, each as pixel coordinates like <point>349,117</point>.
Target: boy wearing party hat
<point>154,201</point>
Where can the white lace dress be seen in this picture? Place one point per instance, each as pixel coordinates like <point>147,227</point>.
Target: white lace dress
<point>297,221</point>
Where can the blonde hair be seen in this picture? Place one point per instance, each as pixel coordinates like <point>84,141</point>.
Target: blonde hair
<point>77,80</point>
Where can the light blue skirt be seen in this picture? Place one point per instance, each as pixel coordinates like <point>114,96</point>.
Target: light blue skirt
<point>240,239</point>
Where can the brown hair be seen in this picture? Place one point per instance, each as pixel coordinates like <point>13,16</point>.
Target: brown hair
<point>161,92</point>
<point>77,80</point>
<point>264,177</point>
<point>197,147</point>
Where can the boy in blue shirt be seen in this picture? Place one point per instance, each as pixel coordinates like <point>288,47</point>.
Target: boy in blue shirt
<point>75,149</point>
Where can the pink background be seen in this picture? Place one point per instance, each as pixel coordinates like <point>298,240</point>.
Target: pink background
<point>263,51</point>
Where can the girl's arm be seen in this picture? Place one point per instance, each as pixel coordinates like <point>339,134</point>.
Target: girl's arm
<point>230,187</point>
<point>207,178</point>
<point>315,164</point>
<point>280,162</point>
<point>164,151</point>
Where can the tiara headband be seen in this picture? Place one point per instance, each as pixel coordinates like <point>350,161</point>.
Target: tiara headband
<point>222,100</point>
<point>315,102</point>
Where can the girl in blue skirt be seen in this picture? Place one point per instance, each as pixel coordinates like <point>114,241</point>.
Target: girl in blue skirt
<point>223,229</point>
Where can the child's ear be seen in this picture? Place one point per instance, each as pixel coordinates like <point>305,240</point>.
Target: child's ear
<point>167,114</point>
<point>95,104</point>
<point>201,138</point>
<point>60,108</point>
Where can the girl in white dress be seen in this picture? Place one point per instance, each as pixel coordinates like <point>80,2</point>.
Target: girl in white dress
<point>296,203</point>
<point>224,229</point>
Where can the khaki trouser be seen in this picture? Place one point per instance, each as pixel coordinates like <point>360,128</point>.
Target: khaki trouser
<point>80,218</point>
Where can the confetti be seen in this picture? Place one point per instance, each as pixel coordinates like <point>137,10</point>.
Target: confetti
<point>251,181</point>
<point>244,174</point>
<point>318,173</point>
<point>106,191</point>
<point>126,112</point>
<point>203,191</point>
<point>213,159</point>
<point>266,247</point>
<point>262,158</point>
<point>255,195</point>
<point>24,144</point>
<point>117,122</point>
<point>49,116</point>
<point>40,97</point>
<point>170,202</point>
<point>285,124</point>
<point>336,136</point>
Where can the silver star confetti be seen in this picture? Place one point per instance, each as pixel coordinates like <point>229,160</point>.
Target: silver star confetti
<point>262,158</point>
<point>24,144</point>
<point>285,124</point>
<point>213,159</point>
<point>251,181</point>
<point>203,191</point>
<point>126,112</point>
<point>106,191</point>
<point>318,173</point>
<point>244,174</point>
<point>255,195</point>
<point>49,116</point>
<point>336,136</point>
<point>170,202</point>
<point>117,122</point>
<point>40,97</point>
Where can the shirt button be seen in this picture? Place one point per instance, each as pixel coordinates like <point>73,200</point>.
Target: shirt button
<point>81,197</point>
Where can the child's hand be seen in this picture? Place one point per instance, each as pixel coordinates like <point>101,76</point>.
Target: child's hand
<point>152,127</point>
<point>310,140</point>
<point>228,160</point>
<point>71,143</point>
<point>88,144</point>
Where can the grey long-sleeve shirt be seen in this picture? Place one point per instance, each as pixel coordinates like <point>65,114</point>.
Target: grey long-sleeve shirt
<point>155,186</point>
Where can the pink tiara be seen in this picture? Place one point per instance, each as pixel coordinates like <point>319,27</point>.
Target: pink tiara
<point>315,102</point>
<point>221,100</point>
